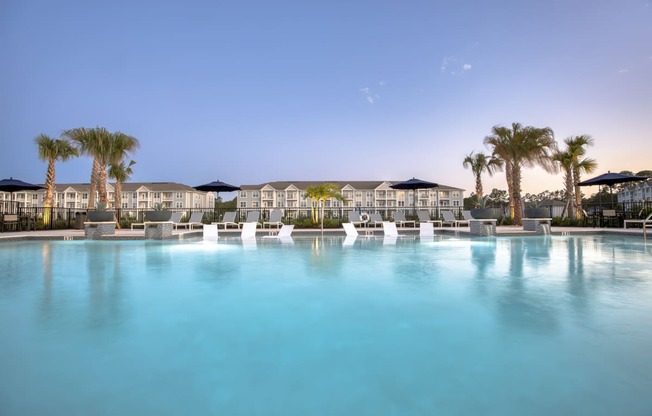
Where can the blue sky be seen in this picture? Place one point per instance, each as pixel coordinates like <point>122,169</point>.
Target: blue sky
<point>255,91</point>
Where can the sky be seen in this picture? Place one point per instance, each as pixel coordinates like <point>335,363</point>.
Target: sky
<point>254,91</point>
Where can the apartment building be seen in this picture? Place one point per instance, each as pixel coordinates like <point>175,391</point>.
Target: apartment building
<point>636,192</point>
<point>358,194</point>
<point>135,195</point>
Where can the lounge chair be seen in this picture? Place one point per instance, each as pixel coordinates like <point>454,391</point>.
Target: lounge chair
<point>249,230</point>
<point>399,219</point>
<point>424,217</point>
<point>228,219</point>
<point>275,216</point>
<point>467,215</point>
<point>284,234</point>
<point>350,230</point>
<point>426,229</point>
<point>354,218</point>
<point>175,218</point>
<point>609,216</point>
<point>450,219</point>
<point>209,232</point>
<point>195,220</point>
<point>375,220</point>
<point>647,222</point>
<point>253,216</point>
<point>389,229</point>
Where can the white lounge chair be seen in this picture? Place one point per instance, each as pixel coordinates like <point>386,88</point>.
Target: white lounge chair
<point>228,219</point>
<point>195,220</point>
<point>275,216</point>
<point>426,229</point>
<point>450,219</point>
<point>399,219</point>
<point>350,230</point>
<point>389,229</point>
<point>249,230</point>
<point>209,232</point>
<point>647,222</point>
<point>354,218</point>
<point>175,218</point>
<point>424,217</point>
<point>467,215</point>
<point>284,234</point>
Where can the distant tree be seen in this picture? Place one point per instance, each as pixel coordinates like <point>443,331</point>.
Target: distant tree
<point>480,163</point>
<point>520,147</point>
<point>647,173</point>
<point>52,150</point>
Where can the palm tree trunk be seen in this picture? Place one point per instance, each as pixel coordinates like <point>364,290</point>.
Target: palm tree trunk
<point>94,181</point>
<point>478,187</point>
<point>49,191</point>
<point>101,188</point>
<point>516,189</point>
<point>510,187</point>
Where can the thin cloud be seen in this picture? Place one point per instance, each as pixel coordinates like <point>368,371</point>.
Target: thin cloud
<point>623,71</point>
<point>369,95</point>
<point>466,67</point>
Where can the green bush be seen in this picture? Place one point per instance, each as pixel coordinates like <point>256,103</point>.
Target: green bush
<point>307,223</point>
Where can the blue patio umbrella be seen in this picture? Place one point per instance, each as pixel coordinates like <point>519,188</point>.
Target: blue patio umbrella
<point>414,184</point>
<point>611,179</point>
<point>12,185</point>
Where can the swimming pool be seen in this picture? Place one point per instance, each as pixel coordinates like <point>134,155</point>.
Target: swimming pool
<point>505,326</point>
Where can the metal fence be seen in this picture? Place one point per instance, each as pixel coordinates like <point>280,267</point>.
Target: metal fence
<point>40,218</point>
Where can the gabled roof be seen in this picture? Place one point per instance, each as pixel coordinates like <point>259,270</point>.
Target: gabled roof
<point>281,185</point>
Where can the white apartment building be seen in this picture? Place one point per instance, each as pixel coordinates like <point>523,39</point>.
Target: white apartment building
<point>359,194</point>
<point>636,192</point>
<point>135,195</point>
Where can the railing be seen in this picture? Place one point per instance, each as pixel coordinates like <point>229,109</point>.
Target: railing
<point>40,218</point>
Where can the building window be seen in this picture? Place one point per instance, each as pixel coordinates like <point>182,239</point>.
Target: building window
<point>254,204</point>
<point>157,195</point>
<point>179,204</point>
<point>243,204</point>
<point>243,194</point>
<point>255,195</point>
<point>179,195</point>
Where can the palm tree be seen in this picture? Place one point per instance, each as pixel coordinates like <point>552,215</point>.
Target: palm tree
<point>121,173</point>
<point>318,195</point>
<point>480,163</point>
<point>520,147</point>
<point>576,147</point>
<point>105,148</point>
<point>52,150</point>
<point>565,160</point>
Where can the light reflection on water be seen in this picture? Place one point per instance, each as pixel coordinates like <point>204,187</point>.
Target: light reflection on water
<point>533,325</point>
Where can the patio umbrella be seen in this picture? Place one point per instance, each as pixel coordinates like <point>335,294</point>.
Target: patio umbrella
<point>414,184</point>
<point>611,179</point>
<point>12,185</point>
<point>217,186</point>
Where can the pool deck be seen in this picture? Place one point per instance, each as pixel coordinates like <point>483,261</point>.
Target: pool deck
<point>127,234</point>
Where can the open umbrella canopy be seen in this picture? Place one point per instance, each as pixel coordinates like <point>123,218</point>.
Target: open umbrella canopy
<point>15,185</point>
<point>414,183</point>
<point>611,179</point>
<point>217,186</point>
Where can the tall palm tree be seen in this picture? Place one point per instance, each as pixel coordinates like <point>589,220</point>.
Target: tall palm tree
<point>577,147</point>
<point>565,160</point>
<point>480,163</point>
<point>52,150</point>
<point>520,147</point>
<point>121,173</point>
<point>105,148</point>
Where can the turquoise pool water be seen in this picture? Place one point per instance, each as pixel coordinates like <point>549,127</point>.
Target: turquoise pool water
<point>507,326</point>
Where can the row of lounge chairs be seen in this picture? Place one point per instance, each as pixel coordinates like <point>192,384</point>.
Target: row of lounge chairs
<point>375,220</point>
<point>195,220</point>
